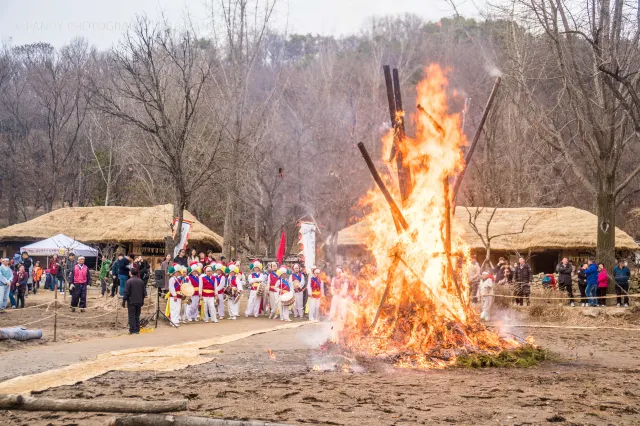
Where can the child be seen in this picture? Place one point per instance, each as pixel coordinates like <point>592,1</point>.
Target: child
<point>485,294</point>
<point>37,276</point>
<point>21,285</point>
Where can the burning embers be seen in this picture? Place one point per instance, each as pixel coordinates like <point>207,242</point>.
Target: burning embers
<point>425,319</point>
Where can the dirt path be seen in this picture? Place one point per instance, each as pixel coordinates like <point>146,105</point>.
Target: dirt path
<point>54,355</point>
<point>595,381</point>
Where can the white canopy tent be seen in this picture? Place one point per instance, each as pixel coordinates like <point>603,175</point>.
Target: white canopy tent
<point>61,245</point>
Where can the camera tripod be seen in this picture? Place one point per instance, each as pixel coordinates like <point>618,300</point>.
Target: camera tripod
<point>159,312</point>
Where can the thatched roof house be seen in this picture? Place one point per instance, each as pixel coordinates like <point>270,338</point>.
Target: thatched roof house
<point>131,227</point>
<point>549,233</point>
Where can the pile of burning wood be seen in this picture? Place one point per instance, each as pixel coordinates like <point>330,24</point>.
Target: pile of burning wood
<point>414,309</point>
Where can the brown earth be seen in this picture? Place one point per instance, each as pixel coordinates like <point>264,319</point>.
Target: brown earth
<point>594,380</point>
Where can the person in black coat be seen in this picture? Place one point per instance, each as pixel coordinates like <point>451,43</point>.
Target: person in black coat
<point>135,292</point>
<point>564,269</point>
<point>582,284</point>
<point>523,281</point>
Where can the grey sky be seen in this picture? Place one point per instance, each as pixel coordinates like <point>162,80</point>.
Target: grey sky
<point>103,22</point>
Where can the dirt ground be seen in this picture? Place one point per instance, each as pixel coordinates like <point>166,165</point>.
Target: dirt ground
<point>595,379</point>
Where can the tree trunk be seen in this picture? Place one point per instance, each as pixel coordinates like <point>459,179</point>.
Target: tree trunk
<point>606,211</point>
<point>229,228</point>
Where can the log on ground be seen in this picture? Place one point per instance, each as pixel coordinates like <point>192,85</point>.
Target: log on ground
<point>29,403</point>
<point>168,420</point>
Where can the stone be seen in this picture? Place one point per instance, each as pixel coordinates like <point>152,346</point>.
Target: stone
<point>591,312</point>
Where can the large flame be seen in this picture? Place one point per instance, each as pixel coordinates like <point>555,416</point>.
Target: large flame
<point>426,320</point>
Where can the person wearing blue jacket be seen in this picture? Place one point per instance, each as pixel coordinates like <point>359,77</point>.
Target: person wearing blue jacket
<point>621,275</point>
<point>592,283</point>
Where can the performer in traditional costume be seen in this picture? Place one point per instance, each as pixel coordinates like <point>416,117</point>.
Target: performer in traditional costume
<point>193,310</point>
<point>255,279</point>
<point>299,287</point>
<point>283,286</point>
<point>207,290</point>
<point>316,293</point>
<point>337,284</point>
<point>174,297</point>
<point>234,282</point>
<point>273,292</point>
<point>221,283</point>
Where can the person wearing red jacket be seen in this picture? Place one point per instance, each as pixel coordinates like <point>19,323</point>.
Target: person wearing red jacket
<point>603,283</point>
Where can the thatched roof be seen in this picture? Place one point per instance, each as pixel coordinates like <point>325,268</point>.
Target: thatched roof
<point>547,228</point>
<point>110,224</point>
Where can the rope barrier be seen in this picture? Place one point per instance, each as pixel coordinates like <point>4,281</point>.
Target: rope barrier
<point>612,296</point>
<point>575,327</point>
<point>28,307</point>
<point>30,323</point>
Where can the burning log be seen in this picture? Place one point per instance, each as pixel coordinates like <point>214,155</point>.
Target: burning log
<point>398,217</point>
<point>396,113</point>
<point>476,137</point>
<point>435,123</point>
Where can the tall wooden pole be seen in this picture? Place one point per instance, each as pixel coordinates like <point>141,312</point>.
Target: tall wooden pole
<point>476,137</point>
<point>55,313</point>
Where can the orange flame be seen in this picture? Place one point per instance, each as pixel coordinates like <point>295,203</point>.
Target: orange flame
<point>426,320</point>
<point>271,354</point>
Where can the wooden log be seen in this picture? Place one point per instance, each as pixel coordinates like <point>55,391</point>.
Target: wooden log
<point>404,173</point>
<point>395,211</point>
<point>167,420</point>
<point>29,403</point>
<point>476,137</point>
<point>385,294</point>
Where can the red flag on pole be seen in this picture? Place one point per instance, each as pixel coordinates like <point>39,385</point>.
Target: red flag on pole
<point>281,248</point>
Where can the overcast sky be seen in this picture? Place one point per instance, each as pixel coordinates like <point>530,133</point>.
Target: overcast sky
<point>102,22</point>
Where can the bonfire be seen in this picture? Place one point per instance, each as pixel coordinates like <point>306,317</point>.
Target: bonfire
<point>414,309</point>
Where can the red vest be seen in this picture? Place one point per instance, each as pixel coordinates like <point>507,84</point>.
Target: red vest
<point>316,288</point>
<point>285,287</point>
<point>80,274</point>
<point>273,279</point>
<point>176,285</point>
<point>218,279</point>
<point>232,282</point>
<point>195,282</point>
<point>208,287</point>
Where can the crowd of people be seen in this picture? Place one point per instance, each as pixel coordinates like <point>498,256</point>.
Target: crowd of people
<point>200,288</point>
<point>592,279</point>
<point>20,277</point>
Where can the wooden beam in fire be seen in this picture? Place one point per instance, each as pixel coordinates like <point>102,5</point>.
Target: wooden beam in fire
<point>396,114</point>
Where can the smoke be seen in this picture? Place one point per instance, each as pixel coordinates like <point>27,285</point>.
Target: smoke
<point>493,70</point>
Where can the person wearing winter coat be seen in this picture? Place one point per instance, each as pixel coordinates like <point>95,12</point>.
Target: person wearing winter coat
<point>55,269</point>
<point>564,269</point>
<point>592,283</point>
<point>582,284</point>
<point>523,282</point>
<point>6,279</point>
<point>22,280</point>
<point>621,275</point>
<point>105,272</point>
<point>603,283</point>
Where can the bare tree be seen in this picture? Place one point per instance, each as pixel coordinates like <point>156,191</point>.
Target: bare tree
<point>156,84</point>
<point>576,107</point>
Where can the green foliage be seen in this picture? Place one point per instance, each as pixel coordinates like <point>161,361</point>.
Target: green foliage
<point>526,356</point>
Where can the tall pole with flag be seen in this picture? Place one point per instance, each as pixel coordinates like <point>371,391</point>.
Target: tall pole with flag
<point>281,248</point>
